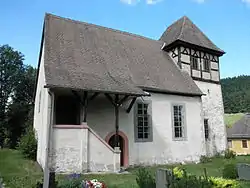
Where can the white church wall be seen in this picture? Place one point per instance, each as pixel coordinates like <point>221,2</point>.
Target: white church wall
<point>213,110</point>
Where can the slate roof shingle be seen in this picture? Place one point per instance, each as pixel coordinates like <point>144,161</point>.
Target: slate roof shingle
<point>185,30</point>
<point>240,129</point>
<point>84,56</point>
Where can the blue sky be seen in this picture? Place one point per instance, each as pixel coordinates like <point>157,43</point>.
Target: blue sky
<point>225,22</point>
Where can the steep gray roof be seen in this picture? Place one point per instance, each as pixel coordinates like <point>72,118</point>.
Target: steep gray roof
<point>185,30</point>
<point>84,56</point>
<point>241,129</point>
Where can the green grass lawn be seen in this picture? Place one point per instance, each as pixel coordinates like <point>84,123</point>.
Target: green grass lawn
<point>16,171</point>
<point>20,173</point>
<point>230,119</point>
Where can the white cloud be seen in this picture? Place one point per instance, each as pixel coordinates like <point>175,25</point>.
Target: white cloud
<point>130,2</point>
<point>152,2</point>
<point>246,1</point>
<point>134,2</point>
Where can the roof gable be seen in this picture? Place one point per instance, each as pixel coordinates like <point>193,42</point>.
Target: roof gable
<point>84,56</point>
<point>186,31</point>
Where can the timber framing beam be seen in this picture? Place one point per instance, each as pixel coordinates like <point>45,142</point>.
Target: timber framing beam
<point>84,102</point>
<point>117,103</point>
<point>85,98</point>
<point>94,96</point>
<point>120,102</point>
<point>110,99</point>
<point>131,105</point>
<point>78,97</point>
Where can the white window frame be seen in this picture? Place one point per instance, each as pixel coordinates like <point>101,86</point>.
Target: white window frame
<point>195,60</point>
<point>183,121</point>
<point>149,117</point>
<point>206,61</point>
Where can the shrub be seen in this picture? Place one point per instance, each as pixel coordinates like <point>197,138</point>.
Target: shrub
<point>224,183</point>
<point>145,179</point>
<point>178,172</point>
<point>205,159</point>
<point>184,180</point>
<point>39,184</point>
<point>190,181</point>
<point>229,154</point>
<point>28,144</point>
<point>230,171</point>
<point>71,182</point>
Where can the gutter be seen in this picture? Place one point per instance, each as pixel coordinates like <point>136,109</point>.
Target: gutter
<point>46,172</point>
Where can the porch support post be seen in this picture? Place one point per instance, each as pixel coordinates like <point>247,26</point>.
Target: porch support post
<point>117,120</point>
<point>85,102</point>
<point>117,103</point>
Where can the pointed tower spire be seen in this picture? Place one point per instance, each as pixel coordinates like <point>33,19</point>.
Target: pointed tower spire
<point>185,31</point>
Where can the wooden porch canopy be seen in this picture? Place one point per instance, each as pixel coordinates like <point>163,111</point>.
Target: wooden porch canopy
<point>116,99</point>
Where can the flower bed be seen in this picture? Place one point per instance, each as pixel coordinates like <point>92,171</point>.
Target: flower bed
<point>93,184</point>
<point>76,181</point>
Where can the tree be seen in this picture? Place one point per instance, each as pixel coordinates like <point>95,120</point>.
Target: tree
<point>17,82</point>
<point>11,66</point>
<point>20,111</point>
<point>236,94</point>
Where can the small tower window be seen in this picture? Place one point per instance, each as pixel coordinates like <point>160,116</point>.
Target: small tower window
<point>206,129</point>
<point>206,65</point>
<point>194,63</point>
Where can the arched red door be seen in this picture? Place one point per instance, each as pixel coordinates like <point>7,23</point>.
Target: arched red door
<point>123,144</point>
<point>111,142</point>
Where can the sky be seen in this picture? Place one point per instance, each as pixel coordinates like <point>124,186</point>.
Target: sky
<point>225,22</point>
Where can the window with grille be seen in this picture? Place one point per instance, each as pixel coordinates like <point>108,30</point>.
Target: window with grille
<point>143,125</point>
<point>206,65</point>
<point>178,121</point>
<point>194,63</point>
<point>206,128</point>
<point>244,144</point>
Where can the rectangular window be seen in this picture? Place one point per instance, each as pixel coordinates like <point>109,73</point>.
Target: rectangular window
<point>194,63</point>
<point>229,144</point>
<point>244,144</point>
<point>178,121</point>
<point>206,128</point>
<point>143,122</point>
<point>206,65</point>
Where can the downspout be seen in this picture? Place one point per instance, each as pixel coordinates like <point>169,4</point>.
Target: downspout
<point>46,173</point>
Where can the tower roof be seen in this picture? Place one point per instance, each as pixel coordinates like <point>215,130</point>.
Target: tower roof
<point>186,31</point>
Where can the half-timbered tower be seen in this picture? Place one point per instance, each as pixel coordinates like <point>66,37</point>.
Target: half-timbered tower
<point>194,53</point>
